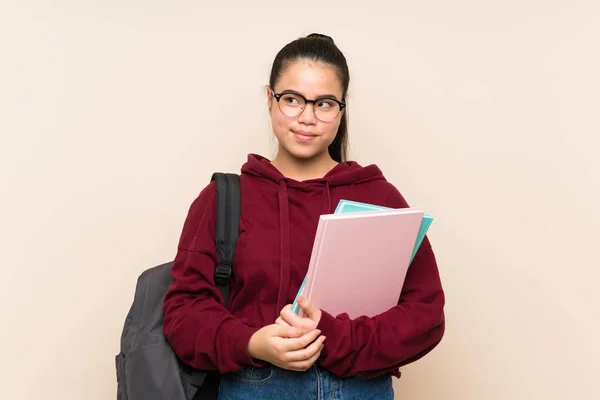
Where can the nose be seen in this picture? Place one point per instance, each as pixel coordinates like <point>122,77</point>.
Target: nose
<point>308,116</point>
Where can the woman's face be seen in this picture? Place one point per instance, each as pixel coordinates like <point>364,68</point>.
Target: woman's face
<point>305,136</point>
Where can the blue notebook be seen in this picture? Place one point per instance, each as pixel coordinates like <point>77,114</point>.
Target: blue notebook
<point>348,206</point>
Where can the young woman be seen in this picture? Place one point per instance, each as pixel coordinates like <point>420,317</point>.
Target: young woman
<point>264,350</point>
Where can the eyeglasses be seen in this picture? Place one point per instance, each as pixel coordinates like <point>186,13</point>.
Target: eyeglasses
<point>292,104</point>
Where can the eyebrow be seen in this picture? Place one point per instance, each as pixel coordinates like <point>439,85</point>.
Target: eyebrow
<point>323,96</point>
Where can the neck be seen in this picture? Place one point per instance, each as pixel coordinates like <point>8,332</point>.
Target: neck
<point>303,169</point>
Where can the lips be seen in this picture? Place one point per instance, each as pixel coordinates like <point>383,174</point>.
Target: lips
<point>304,133</point>
<point>304,136</point>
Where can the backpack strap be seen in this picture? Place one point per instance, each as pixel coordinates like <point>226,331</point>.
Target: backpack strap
<point>227,230</point>
<point>227,227</point>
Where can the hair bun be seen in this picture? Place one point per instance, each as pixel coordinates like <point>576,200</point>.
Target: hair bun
<point>321,36</point>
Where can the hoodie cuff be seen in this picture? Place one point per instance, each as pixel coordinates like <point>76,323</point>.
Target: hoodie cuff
<point>238,344</point>
<point>329,325</point>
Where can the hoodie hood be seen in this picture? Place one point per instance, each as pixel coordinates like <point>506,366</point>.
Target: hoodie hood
<point>348,173</point>
<point>345,173</point>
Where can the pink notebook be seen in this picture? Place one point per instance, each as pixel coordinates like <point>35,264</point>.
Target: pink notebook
<point>359,261</point>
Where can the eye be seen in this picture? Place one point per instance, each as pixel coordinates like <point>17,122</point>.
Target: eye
<point>326,103</point>
<point>290,99</point>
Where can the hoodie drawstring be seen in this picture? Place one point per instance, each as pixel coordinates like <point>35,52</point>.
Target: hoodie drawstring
<point>327,204</point>
<point>284,242</point>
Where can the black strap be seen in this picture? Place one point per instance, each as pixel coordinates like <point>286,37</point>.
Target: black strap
<point>227,227</point>
<point>227,230</point>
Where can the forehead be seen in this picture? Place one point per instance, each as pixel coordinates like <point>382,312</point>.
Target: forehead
<point>310,78</point>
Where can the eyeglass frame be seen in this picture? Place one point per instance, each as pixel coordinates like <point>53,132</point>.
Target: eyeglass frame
<point>306,101</point>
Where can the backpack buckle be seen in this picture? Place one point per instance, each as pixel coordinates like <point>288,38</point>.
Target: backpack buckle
<point>223,274</point>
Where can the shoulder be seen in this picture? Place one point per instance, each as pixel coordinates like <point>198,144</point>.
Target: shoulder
<point>392,197</point>
<point>376,184</point>
<point>200,214</point>
<point>206,197</point>
<point>203,205</point>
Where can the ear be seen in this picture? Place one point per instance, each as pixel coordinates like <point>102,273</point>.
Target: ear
<point>269,93</point>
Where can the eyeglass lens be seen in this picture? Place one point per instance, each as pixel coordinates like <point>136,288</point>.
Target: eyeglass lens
<point>292,105</point>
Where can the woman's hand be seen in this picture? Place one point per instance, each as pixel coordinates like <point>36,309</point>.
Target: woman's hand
<point>286,347</point>
<point>307,324</point>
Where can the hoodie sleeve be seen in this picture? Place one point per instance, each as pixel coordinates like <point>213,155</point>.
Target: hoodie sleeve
<point>199,328</point>
<point>399,336</point>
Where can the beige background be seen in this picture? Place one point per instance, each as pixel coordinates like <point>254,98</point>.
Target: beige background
<point>113,114</point>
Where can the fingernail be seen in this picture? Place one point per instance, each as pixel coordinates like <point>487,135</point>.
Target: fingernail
<point>301,300</point>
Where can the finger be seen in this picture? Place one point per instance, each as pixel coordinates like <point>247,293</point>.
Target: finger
<point>281,321</point>
<point>286,331</point>
<point>306,353</point>
<point>287,310</point>
<point>301,342</point>
<point>295,320</point>
<point>309,308</point>
<point>306,364</point>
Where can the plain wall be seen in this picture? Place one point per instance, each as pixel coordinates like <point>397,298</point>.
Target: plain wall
<point>114,114</point>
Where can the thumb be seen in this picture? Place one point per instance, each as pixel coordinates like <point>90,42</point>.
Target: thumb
<point>308,307</point>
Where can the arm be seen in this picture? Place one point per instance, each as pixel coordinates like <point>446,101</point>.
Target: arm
<point>399,336</point>
<point>199,328</point>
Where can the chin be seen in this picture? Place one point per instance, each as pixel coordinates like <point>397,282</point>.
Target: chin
<point>302,151</point>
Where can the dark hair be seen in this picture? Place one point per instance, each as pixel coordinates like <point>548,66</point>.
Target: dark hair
<point>321,48</point>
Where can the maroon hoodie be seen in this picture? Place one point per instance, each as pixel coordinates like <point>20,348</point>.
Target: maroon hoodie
<point>279,220</point>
